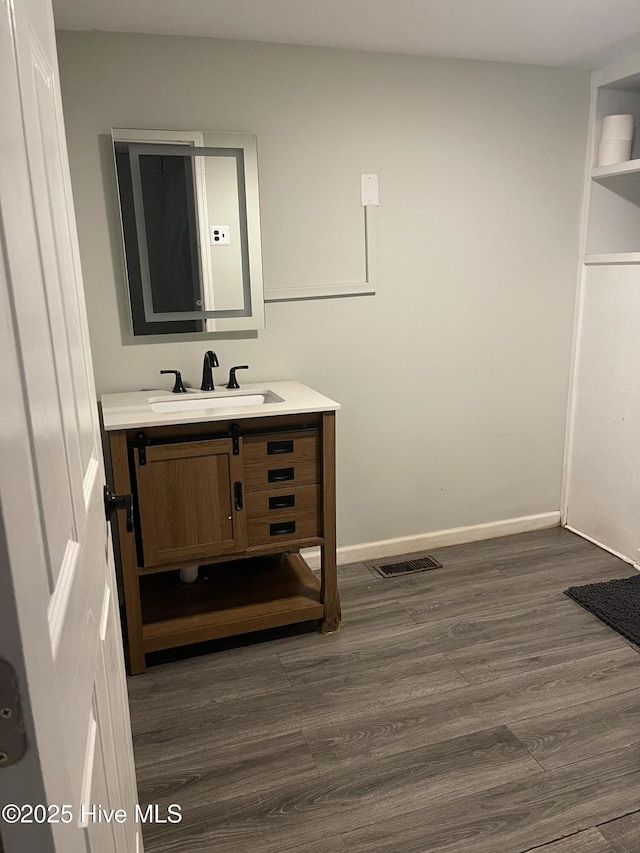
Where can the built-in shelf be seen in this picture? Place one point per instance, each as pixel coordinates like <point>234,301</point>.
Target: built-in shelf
<point>613,226</point>
<point>629,167</point>
<point>613,258</point>
<point>601,494</point>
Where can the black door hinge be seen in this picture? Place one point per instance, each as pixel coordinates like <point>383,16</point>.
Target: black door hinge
<point>13,740</point>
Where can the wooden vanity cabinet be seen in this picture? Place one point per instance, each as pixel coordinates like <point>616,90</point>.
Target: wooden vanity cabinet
<point>239,499</point>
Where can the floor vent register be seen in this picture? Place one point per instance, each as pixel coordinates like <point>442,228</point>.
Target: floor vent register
<point>404,567</point>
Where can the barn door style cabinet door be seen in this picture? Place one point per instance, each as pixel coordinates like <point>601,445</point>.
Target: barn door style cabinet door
<point>238,499</point>
<point>190,505</point>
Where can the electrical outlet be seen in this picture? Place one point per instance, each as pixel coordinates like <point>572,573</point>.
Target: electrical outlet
<point>219,235</point>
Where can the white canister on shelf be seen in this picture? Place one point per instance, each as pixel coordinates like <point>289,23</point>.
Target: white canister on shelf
<point>615,141</point>
<point>617,127</point>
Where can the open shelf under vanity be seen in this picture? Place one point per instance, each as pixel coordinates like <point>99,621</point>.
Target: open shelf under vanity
<point>228,598</point>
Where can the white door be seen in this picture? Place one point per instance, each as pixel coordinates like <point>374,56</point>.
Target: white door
<point>59,627</point>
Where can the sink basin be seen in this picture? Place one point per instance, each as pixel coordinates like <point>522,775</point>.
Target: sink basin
<point>182,403</point>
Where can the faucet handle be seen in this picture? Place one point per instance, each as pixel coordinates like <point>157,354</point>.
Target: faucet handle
<point>178,387</point>
<point>233,382</point>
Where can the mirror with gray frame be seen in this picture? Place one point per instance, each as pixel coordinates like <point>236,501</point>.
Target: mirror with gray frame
<point>189,207</point>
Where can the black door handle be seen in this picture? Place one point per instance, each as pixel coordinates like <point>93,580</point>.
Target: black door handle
<point>237,495</point>
<point>113,502</point>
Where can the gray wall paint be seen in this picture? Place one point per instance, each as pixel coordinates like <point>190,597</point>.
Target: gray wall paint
<point>453,379</point>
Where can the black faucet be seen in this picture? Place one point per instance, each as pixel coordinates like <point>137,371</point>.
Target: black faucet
<point>210,361</point>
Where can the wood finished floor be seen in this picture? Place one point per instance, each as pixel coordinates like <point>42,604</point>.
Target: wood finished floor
<point>472,709</point>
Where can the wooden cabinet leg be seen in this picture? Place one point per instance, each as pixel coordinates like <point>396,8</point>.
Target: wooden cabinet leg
<point>137,664</point>
<point>135,652</point>
<point>329,583</point>
<point>329,593</point>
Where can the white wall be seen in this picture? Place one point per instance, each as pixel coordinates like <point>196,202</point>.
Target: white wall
<point>604,496</point>
<point>453,379</point>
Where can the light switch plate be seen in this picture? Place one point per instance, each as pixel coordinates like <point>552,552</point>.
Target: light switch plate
<point>369,190</point>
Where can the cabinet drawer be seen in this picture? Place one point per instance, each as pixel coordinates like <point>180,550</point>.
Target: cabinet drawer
<point>283,515</point>
<point>265,531</point>
<point>282,504</point>
<point>281,460</point>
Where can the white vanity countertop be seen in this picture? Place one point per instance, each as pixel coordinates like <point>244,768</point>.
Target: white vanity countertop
<point>134,408</point>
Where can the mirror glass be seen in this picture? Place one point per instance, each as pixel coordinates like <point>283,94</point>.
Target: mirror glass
<point>189,208</point>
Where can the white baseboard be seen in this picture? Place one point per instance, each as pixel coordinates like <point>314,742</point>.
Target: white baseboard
<point>436,539</point>
<point>604,547</point>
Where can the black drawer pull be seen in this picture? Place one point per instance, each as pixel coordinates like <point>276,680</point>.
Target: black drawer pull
<point>282,502</point>
<point>282,528</point>
<point>276,475</point>
<point>284,446</point>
